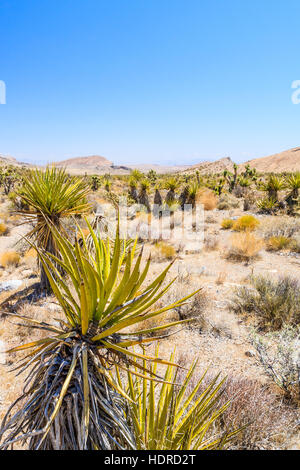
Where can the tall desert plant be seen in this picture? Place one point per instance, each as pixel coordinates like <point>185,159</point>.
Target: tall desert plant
<point>71,399</point>
<point>52,195</point>
<point>170,416</point>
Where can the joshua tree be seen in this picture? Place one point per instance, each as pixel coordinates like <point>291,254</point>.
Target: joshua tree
<point>272,186</point>
<point>171,187</point>
<point>133,190</point>
<point>231,178</point>
<point>107,184</point>
<point>157,197</point>
<point>95,182</point>
<point>72,399</point>
<point>52,195</point>
<point>184,196</point>
<point>143,195</point>
<point>293,183</point>
<point>192,194</point>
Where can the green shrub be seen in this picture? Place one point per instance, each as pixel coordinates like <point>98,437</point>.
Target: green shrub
<point>273,302</point>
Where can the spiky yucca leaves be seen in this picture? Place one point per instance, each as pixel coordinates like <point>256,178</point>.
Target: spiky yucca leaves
<point>272,186</point>
<point>71,398</point>
<point>169,416</point>
<point>293,183</point>
<point>51,193</point>
<point>267,205</point>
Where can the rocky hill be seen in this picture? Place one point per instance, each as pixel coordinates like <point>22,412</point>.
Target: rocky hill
<point>288,160</point>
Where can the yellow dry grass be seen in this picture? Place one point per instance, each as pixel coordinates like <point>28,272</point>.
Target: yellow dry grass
<point>208,198</point>
<point>245,246</point>
<point>10,258</point>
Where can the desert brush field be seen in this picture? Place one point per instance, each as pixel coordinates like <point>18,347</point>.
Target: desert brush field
<point>150,342</point>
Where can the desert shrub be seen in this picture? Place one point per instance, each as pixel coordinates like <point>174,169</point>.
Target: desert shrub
<point>210,219</point>
<point>227,201</point>
<point>278,352</point>
<point>273,302</point>
<point>295,245</point>
<point>244,247</point>
<point>227,224</point>
<point>165,251</point>
<point>246,222</point>
<point>211,243</point>
<point>279,227</point>
<point>10,258</point>
<point>249,201</point>
<point>195,308</point>
<point>264,419</point>
<point>208,198</point>
<point>278,243</point>
<point>3,229</point>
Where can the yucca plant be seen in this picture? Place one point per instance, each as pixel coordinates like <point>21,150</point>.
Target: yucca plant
<point>293,183</point>
<point>107,184</point>
<point>192,194</point>
<point>171,186</point>
<point>143,195</point>
<point>133,189</point>
<point>267,205</point>
<point>51,193</point>
<point>71,400</point>
<point>272,186</point>
<point>172,416</point>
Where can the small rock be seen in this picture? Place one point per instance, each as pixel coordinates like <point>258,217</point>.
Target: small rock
<point>50,306</point>
<point>2,353</point>
<point>10,285</point>
<point>250,353</point>
<point>27,272</point>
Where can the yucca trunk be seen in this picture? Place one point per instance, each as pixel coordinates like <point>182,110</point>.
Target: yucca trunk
<point>106,427</point>
<point>49,246</point>
<point>133,194</point>
<point>144,199</point>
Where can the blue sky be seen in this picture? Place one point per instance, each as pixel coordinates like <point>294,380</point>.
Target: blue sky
<point>161,81</point>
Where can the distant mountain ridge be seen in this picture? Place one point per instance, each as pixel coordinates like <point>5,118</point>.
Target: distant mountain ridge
<point>287,161</point>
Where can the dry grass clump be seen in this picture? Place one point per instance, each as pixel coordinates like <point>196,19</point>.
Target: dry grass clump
<point>273,302</point>
<point>245,223</point>
<point>10,258</point>
<point>208,198</point>
<point>3,229</point>
<point>244,247</point>
<point>278,243</point>
<point>227,224</point>
<point>165,251</point>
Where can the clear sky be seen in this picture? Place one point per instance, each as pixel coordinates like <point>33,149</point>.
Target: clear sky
<point>160,81</point>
